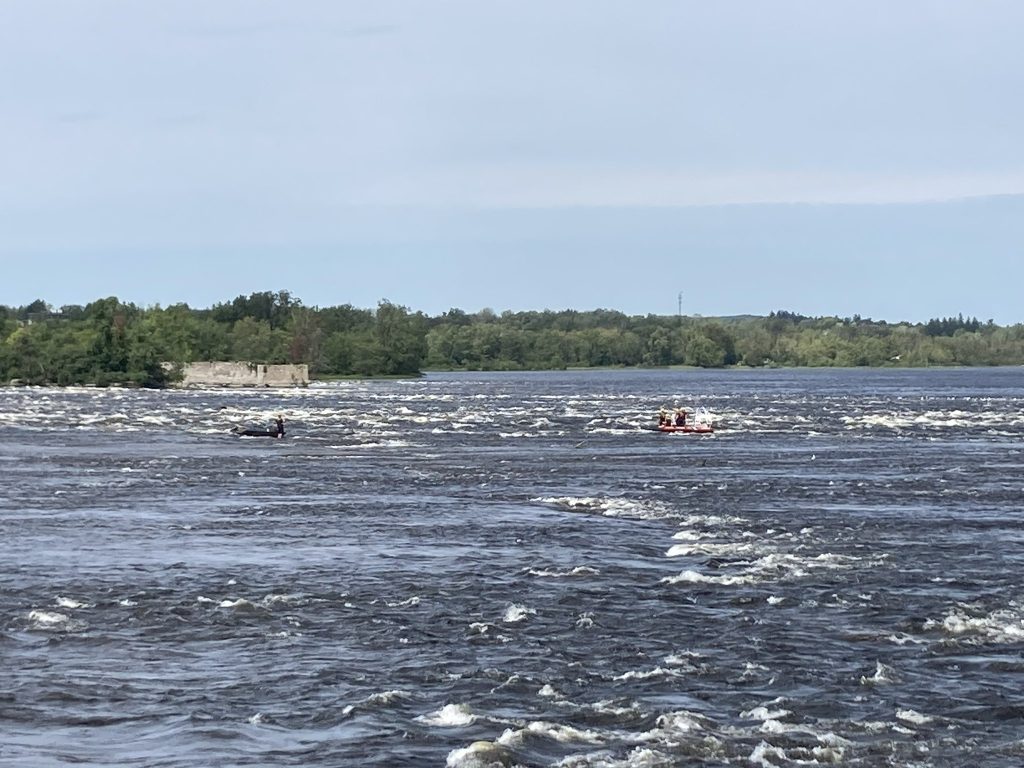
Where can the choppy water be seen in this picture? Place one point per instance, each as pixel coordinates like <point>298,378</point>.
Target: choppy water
<point>483,568</point>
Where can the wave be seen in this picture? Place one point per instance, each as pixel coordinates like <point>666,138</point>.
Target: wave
<point>479,754</point>
<point>449,716</point>
<point>516,613</point>
<point>379,699</point>
<point>579,570</point>
<point>610,506</point>
<point>70,603</point>
<point>1000,626</point>
<point>52,621</point>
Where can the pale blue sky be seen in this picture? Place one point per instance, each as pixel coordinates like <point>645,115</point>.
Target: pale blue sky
<point>824,157</point>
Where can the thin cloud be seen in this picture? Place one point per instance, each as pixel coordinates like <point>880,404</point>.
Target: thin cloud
<point>78,117</point>
<point>370,30</point>
<point>553,187</point>
<point>219,31</point>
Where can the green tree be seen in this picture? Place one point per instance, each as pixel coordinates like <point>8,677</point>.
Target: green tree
<point>255,341</point>
<point>704,352</point>
<point>402,339</point>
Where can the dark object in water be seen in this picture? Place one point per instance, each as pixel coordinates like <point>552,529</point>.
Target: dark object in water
<point>258,432</point>
<point>277,431</point>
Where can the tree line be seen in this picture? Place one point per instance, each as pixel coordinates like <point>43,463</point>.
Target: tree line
<point>112,342</point>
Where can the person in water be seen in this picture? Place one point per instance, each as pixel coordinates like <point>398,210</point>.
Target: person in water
<point>279,423</point>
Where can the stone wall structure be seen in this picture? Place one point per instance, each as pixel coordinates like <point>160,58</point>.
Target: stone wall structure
<point>227,374</point>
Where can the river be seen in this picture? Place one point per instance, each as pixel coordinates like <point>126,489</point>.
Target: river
<point>473,569</point>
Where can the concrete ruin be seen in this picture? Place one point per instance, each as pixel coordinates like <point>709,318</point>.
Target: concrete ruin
<point>227,374</point>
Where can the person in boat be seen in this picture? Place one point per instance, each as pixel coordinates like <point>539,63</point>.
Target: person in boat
<point>680,417</point>
<point>663,419</point>
<point>279,424</point>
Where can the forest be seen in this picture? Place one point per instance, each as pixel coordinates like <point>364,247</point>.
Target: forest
<point>111,342</point>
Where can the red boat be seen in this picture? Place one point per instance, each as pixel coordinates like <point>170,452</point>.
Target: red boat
<point>700,425</point>
<point>699,429</point>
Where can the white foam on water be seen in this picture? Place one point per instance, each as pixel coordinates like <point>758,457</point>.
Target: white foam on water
<point>910,716</point>
<point>610,506</point>
<point>386,697</point>
<point>613,708</point>
<point>379,699</point>
<point>384,444</point>
<point>639,757</point>
<point>277,599</point>
<point>648,674</point>
<point>955,419</point>
<point>834,740</point>
<point>239,604</point>
<point>563,734</point>
<point>283,634</point>
<point>48,619</point>
<point>1000,626</point>
<point>772,567</point>
<point>698,734</point>
<point>773,600</point>
<point>414,600</point>
<point>691,521</point>
<point>691,535</point>
<point>53,621</point>
<point>791,565</point>
<point>764,753</point>
<point>157,420</point>
<point>829,754</point>
<point>693,577</point>
<point>610,430</point>
<point>511,680</point>
<point>674,724</point>
<point>883,675</point>
<point>516,613</point>
<point>579,570</point>
<point>682,658</point>
<point>449,716</point>
<point>585,620</point>
<point>481,627</point>
<point>764,713</point>
<point>904,639</point>
<point>712,549</point>
<point>775,728</point>
<point>479,754</point>
<point>70,602</point>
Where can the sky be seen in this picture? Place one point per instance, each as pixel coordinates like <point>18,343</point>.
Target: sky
<point>829,158</point>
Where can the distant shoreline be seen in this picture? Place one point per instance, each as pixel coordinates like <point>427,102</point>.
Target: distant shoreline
<point>109,342</point>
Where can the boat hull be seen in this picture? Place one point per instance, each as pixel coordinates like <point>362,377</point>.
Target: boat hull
<point>686,429</point>
<point>257,433</point>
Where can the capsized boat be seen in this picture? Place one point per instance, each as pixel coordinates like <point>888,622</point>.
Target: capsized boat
<point>277,431</point>
<point>258,432</point>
